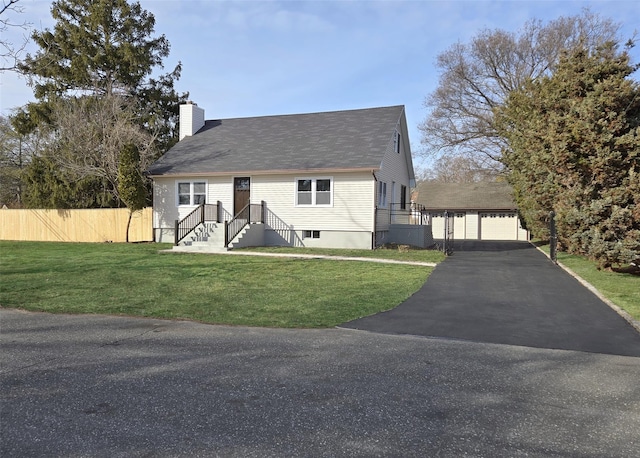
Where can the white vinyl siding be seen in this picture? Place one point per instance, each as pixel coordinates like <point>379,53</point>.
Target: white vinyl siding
<point>165,210</point>
<point>394,169</point>
<point>351,203</point>
<point>221,190</point>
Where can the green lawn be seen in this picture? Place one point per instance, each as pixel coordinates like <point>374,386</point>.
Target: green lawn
<point>134,279</point>
<point>622,289</point>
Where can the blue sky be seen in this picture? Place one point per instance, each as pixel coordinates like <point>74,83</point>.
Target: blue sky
<point>253,58</point>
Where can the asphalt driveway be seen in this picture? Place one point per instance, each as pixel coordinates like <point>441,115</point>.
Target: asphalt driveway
<point>507,293</point>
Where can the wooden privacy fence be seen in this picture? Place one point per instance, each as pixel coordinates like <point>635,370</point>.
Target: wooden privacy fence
<point>91,225</point>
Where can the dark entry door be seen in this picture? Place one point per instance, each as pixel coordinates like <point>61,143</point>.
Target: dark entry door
<point>241,193</point>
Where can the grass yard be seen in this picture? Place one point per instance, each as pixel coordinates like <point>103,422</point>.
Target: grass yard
<point>623,289</point>
<point>134,279</point>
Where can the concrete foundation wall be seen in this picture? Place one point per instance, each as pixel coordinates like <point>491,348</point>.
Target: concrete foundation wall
<point>410,234</point>
<point>164,235</point>
<point>328,239</point>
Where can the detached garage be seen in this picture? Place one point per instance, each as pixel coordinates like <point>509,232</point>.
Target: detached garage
<point>480,211</point>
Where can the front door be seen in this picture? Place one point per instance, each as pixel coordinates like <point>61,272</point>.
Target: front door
<point>241,193</point>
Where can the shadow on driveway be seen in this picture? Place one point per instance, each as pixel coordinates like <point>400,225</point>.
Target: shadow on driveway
<point>507,293</point>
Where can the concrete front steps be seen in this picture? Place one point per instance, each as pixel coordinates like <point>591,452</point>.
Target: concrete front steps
<point>206,237</point>
<point>209,238</point>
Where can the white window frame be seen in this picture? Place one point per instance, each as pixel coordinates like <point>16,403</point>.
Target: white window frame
<point>192,192</point>
<point>382,194</point>
<point>314,192</point>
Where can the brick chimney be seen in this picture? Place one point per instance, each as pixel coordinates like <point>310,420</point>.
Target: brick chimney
<point>191,119</point>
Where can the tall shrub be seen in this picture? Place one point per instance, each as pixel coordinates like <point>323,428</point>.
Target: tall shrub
<point>574,147</point>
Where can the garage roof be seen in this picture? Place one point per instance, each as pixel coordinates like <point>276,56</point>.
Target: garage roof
<point>466,196</point>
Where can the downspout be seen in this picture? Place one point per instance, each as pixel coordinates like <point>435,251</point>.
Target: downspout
<point>375,210</point>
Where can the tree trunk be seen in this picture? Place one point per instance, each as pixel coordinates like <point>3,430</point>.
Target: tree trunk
<point>128,225</point>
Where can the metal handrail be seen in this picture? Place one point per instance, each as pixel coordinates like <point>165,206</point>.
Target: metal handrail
<point>413,213</point>
<point>251,213</point>
<point>200,214</point>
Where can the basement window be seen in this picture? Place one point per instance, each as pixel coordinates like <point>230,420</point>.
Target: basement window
<point>311,234</point>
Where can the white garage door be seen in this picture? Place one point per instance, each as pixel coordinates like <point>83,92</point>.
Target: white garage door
<point>498,226</point>
<point>437,226</point>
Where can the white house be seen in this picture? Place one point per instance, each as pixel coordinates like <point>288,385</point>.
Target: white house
<point>480,211</point>
<point>333,179</point>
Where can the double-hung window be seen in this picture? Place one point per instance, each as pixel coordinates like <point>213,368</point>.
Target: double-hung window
<point>192,192</point>
<point>316,192</point>
<point>382,194</point>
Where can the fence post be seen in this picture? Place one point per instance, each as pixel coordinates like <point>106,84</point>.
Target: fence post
<point>553,239</point>
<point>176,226</point>
<point>226,234</point>
<point>219,212</point>
<point>263,210</point>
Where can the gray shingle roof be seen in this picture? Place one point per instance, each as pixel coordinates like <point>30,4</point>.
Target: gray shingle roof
<point>466,196</point>
<point>315,141</point>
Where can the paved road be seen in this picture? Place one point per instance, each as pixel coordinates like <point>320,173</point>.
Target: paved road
<point>122,387</point>
<point>508,293</point>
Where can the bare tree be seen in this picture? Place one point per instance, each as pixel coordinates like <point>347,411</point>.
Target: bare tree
<point>455,169</point>
<point>92,132</point>
<point>9,51</point>
<point>477,77</point>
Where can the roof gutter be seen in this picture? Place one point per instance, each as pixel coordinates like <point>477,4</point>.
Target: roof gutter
<point>263,172</point>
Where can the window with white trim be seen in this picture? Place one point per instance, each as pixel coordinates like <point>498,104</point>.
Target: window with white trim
<point>192,192</point>
<point>396,142</point>
<point>315,192</point>
<point>382,194</point>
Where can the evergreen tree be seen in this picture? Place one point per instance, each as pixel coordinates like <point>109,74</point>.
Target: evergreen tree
<point>48,186</point>
<point>96,65</point>
<point>131,184</point>
<point>97,47</point>
<point>574,147</point>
